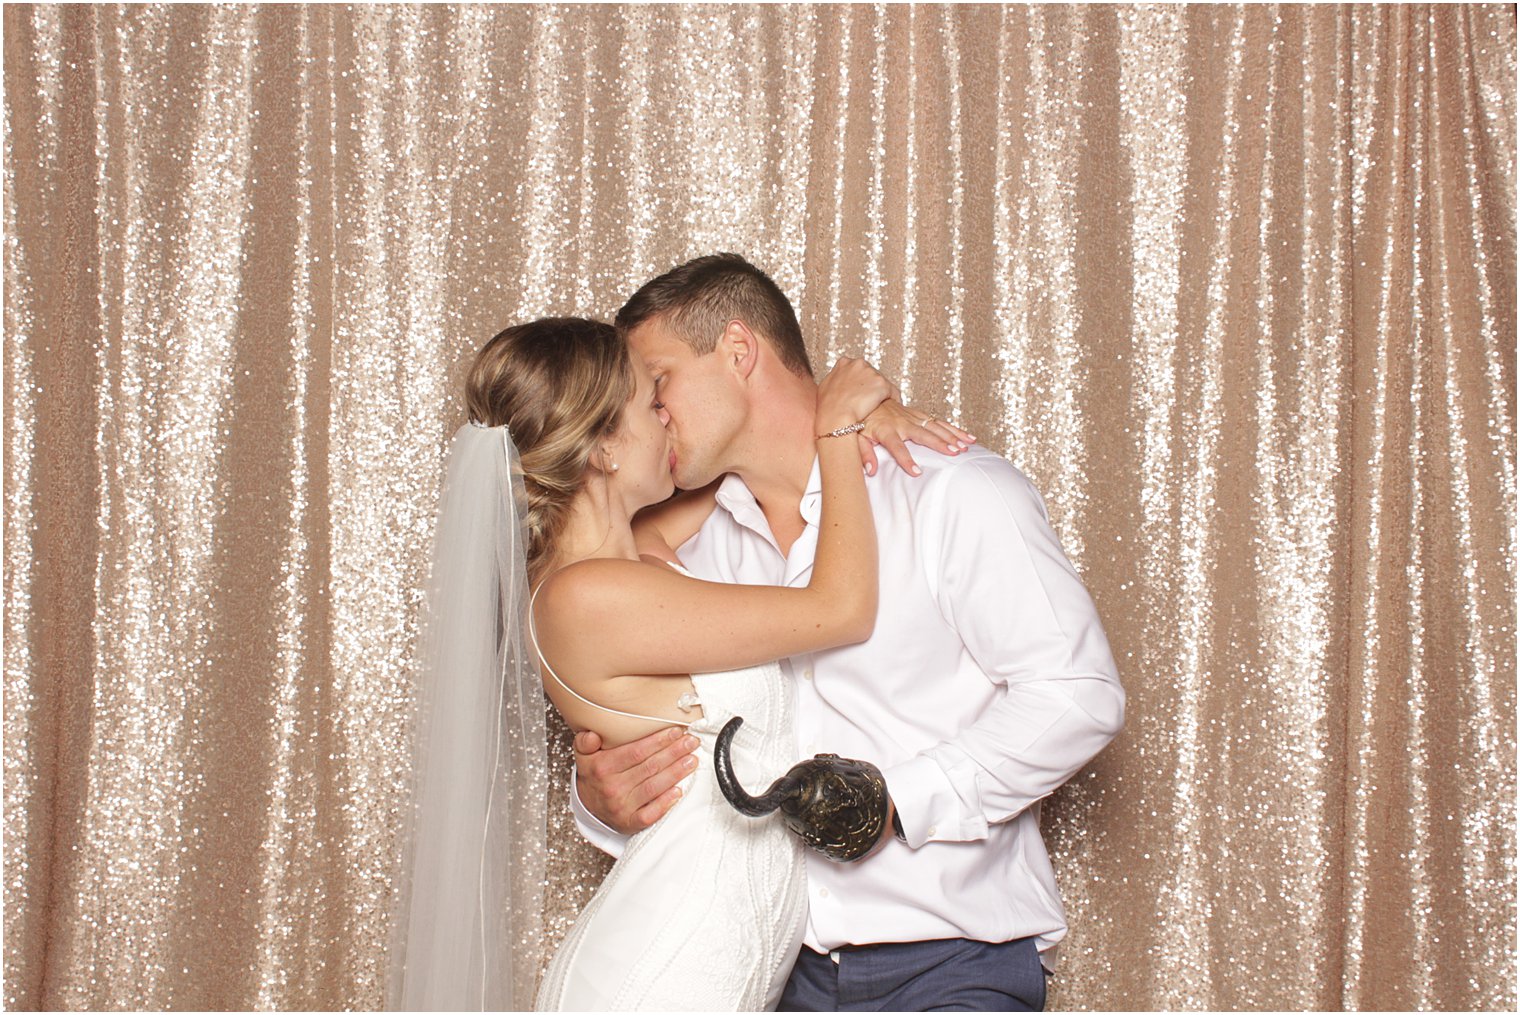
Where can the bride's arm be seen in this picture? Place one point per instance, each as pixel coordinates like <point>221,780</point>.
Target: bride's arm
<point>654,620</point>
<point>660,528</point>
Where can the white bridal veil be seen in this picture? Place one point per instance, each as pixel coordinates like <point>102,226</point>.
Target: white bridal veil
<point>469,897</point>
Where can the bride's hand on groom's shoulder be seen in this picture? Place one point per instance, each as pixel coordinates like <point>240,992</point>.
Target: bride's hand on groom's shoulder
<point>892,424</point>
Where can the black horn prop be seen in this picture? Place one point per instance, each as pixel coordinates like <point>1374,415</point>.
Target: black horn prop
<point>837,806</point>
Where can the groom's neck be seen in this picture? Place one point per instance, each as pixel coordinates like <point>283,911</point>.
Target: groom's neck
<point>779,457</point>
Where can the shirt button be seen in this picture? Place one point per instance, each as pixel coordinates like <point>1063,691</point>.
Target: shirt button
<point>807,674</point>
<point>932,830</point>
<point>823,893</point>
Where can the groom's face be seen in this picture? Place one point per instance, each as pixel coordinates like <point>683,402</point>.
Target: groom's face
<point>702,396</point>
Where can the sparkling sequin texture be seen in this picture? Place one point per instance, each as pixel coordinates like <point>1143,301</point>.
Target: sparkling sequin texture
<point>1235,286</point>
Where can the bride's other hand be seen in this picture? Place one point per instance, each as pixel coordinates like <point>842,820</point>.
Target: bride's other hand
<point>892,424</point>
<point>629,788</point>
<point>848,394</point>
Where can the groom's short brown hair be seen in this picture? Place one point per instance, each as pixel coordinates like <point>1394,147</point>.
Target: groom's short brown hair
<point>700,297</point>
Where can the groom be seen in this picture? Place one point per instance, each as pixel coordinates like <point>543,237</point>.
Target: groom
<point>987,684</point>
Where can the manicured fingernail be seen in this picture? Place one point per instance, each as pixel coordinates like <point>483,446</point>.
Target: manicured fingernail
<point>672,733</point>
<point>962,446</point>
<point>680,792</point>
<point>690,743</point>
<point>916,471</point>
<point>689,763</point>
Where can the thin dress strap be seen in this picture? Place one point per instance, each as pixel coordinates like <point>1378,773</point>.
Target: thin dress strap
<point>533,633</point>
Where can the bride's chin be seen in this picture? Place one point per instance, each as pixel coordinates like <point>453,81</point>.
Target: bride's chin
<point>662,494</point>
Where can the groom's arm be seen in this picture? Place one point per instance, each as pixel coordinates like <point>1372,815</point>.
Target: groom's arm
<point>622,790</point>
<point>592,829</point>
<point>1001,580</point>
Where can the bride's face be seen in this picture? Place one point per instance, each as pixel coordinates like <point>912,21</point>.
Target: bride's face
<point>642,447</point>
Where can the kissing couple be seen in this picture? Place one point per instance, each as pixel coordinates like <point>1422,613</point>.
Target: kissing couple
<point>816,588</point>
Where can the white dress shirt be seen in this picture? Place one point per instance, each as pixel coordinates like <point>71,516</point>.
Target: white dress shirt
<point>987,683</point>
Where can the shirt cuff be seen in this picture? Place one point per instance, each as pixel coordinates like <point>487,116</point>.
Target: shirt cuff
<point>604,838</point>
<point>929,805</point>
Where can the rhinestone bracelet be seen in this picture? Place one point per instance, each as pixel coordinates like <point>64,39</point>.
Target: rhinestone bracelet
<point>843,431</point>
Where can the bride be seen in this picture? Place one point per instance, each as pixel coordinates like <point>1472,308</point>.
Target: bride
<point>537,569</point>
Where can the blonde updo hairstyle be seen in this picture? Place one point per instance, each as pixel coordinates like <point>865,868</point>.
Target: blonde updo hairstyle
<point>560,385</point>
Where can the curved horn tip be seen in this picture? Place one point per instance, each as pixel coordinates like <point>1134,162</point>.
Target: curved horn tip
<point>728,782</point>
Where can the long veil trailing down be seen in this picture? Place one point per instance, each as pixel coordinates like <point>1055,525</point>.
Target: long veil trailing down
<point>468,927</point>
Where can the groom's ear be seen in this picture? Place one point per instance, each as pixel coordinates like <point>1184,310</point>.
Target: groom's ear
<point>740,347</point>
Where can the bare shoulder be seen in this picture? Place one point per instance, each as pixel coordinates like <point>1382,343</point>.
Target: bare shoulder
<point>592,589</point>
<point>609,617</point>
<point>584,584</point>
<point>578,598</point>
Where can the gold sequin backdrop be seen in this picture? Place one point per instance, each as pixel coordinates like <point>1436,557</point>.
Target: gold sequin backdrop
<point>1236,287</point>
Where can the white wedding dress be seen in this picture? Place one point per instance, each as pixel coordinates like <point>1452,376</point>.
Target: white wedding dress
<point>704,911</point>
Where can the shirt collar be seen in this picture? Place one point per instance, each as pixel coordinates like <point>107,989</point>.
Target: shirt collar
<point>735,497</point>
<point>812,497</point>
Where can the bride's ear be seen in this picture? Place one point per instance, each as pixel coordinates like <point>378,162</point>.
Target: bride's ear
<point>607,459</point>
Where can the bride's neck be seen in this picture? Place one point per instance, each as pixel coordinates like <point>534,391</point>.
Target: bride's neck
<point>599,526</point>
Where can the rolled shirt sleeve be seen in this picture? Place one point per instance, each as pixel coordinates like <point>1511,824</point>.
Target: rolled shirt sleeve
<point>604,838</point>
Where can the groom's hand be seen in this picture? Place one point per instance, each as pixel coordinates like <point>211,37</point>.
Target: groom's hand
<point>631,787</point>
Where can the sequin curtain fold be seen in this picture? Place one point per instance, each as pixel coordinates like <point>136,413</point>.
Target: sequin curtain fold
<point>1235,286</point>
